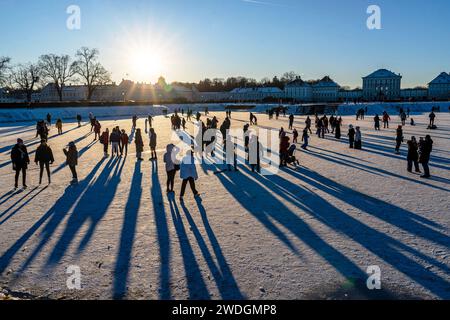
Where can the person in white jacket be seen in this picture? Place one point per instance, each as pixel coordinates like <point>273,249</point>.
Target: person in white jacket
<point>188,173</point>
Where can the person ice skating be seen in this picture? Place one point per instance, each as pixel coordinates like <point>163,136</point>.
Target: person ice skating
<point>294,136</point>
<point>255,153</point>
<point>291,121</point>
<point>425,148</point>
<point>114,139</point>
<point>20,161</point>
<point>97,129</point>
<point>332,122</point>
<point>412,123</point>
<point>281,133</point>
<point>183,123</point>
<point>44,157</point>
<point>351,136</point>
<point>134,121</point>
<point>398,139</point>
<point>171,166</point>
<point>386,119</point>
<point>148,123</point>
<point>432,116</point>
<point>413,155</point>
<point>188,173</point>
<point>139,144</point>
<point>284,146</point>
<point>152,142</point>
<point>358,138</point>
<point>376,121</point>
<point>58,125</point>
<point>49,119</point>
<point>72,160</point>
<point>124,140</point>
<point>92,121</point>
<point>42,130</point>
<point>104,140</point>
<point>79,120</point>
<point>305,138</point>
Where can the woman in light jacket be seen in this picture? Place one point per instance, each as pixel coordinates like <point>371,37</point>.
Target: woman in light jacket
<point>188,173</point>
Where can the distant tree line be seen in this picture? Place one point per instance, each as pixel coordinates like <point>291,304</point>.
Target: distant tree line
<point>57,69</point>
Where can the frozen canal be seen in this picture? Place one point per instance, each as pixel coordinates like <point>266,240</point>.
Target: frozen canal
<point>301,234</point>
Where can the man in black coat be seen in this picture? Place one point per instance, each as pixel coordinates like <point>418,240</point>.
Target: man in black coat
<point>44,156</point>
<point>425,148</point>
<point>20,161</point>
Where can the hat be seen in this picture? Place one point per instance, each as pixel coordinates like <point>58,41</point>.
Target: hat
<point>19,140</point>
<point>71,144</point>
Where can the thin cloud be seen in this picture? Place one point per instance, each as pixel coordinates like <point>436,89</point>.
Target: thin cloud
<point>264,3</point>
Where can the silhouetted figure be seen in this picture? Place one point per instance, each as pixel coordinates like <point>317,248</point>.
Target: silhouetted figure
<point>124,140</point>
<point>44,157</point>
<point>413,155</point>
<point>20,161</point>
<point>305,139</point>
<point>425,148</point>
<point>104,140</point>
<point>358,138</point>
<point>152,142</point>
<point>351,136</point>
<point>72,160</point>
<point>139,144</point>
<point>386,119</point>
<point>79,120</point>
<point>432,116</point>
<point>58,125</point>
<point>171,166</point>
<point>398,139</point>
<point>376,121</point>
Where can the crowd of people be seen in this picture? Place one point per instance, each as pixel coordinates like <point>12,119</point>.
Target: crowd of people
<point>118,139</point>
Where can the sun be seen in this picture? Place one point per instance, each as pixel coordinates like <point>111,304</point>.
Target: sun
<point>146,65</point>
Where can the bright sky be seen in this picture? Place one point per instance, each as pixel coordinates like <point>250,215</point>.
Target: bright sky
<point>188,40</point>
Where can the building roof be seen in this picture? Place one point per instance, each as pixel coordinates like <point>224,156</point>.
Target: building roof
<point>297,83</point>
<point>326,82</point>
<point>444,77</point>
<point>382,73</point>
<point>257,90</point>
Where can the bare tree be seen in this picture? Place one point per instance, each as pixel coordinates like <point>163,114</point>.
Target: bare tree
<point>25,77</point>
<point>4,67</point>
<point>91,71</point>
<point>57,69</point>
<point>289,76</point>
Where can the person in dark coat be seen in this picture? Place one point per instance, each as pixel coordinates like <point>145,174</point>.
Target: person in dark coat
<point>413,155</point>
<point>398,139</point>
<point>351,136</point>
<point>305,138</point>
<point>124,139</point>
<point>337,132</point>
<point>291,121</point>
<point>72,160</point>
<point>79,120</point>
<point>139,144</point>
<point>425,148</point>
<point>104,140</point>
<point>20,161</point>
<point>44,157</point>
<point>152,142</point>
<point>49,119</point>
<point>377,120</point>
<point>432,116</point>
<point>295,136</point>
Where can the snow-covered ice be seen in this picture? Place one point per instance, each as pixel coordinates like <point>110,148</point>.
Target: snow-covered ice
<point>300,234</point>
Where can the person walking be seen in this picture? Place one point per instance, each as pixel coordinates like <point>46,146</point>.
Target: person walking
<point>171,166</point>
<point>20,161</point>
<point>152,142</point>
<point>148,123</point>
<point>79,120</point>
<point>97,128</point>
<point>305,139</point>
<point>49,119</point>
<point>188,173</point>
<point>351,136</point>
<point>294,136</point>
<point>104,140</point>
<point>58,125</point>
<point>71,154</point>
<point>114,139</point>
<point>386,119</point>
<point>413,155</point>
<point>358,138</point>
<point>291,121</point>
<point>425,148</point>
<point>139,144</point>
<point>308,124</point>
<point>403,118</point>
<point>398,139</point>
<point>92,120</point>
<point>44,157</point>
<point>124,140</point>
<point>376,120</point>
<point>432,116</point>
<point>134,121</point>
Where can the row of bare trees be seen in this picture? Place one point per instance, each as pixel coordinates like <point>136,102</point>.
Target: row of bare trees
<point>57,69</point>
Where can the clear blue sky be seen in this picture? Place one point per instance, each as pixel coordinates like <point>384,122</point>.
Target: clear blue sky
<point>195,39</point>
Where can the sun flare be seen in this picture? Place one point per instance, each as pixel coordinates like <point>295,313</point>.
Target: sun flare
<point>146,65</point>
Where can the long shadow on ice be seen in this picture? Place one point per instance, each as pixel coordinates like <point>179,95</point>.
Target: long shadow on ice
<point>195,283</point>
<point>123,261</point>
<point>52,219</point>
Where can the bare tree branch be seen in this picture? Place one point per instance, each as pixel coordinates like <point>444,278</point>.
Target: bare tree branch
<point>25,77</point>
<point>4,67</point>
<point>91,71</point>
<point>56,69</point>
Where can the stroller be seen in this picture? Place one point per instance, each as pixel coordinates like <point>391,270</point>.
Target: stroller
<point>290,158</point>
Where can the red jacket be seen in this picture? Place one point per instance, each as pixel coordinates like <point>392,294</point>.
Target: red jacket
<point>104,138</point>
